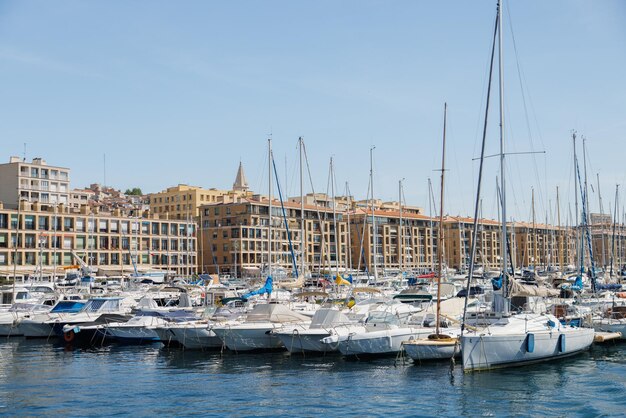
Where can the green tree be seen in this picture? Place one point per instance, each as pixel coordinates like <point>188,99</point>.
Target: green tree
<point>135,191</point>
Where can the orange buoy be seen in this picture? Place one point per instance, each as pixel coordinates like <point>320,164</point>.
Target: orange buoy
<point>69,336</point>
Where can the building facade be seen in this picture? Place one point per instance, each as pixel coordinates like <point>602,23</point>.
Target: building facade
<point>234,237</point>
<point>33,182</point>
<point>392,247</point>
<point>44,240</point>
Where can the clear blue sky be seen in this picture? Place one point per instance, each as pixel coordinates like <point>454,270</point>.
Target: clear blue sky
<point>179,92</point>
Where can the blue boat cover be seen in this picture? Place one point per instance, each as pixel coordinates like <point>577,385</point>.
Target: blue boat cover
<point>267,288</point>
<point>497,283</point>
<point>609,286</point>
<point>577,286</point>
<point>69,306</point>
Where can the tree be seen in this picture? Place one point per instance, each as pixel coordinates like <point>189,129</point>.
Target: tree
<point>135,191</point>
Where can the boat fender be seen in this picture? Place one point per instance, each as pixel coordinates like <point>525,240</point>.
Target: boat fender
<point>530,343</point>
<point>69,336</point>
<point>551,323</point>
<point>562,343</point>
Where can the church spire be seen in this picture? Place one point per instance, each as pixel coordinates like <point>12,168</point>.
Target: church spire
<point>241,184</point>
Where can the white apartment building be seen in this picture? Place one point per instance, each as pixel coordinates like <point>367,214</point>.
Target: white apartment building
<point>33,181</point>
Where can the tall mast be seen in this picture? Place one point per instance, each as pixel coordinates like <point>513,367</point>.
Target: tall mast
<point>615,220</point>
<point>332,188</point>
<point>440,233</point>
<point>558,220</point>
<point>400,232</point>
<point>302,249</point>
<point>586,205</point>
<point>601,224</point>
<point>374,240</point>
<point>349,252</point>
<point>534,258</point>
<point>578,250</point>
<point>269,212</point>
<point>503,238</point>
<point>430,215</point>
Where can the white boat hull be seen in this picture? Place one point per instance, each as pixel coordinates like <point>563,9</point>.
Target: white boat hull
<point>131,334</point>
<point>249,337</point>
<point>34,329</point>
<point>423,350</point>
<point>196,338</point>
<point>382,342</point>
<point>484,352</point>
<point>306,341</point>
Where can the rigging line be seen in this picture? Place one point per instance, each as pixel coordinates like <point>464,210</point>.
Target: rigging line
<point>362,235</point>
<point>317,211</point>
<point>330,171</point>
<point>523,94</point>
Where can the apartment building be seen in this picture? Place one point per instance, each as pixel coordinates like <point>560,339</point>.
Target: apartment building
<point>234,236</point>
<point>48,238</point>
<point>184,201</point>
<point>409,243</point>
<point>34,181</point>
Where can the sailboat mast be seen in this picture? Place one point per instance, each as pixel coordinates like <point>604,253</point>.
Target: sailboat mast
<point>440,232</point>
<point>586,203</point>
<point>430,216</point>
<point>534,258</point>
<point>374,240</point>
<point>601,222</point>
<point>615,220</point>
<point>578,250</point>
<point>332,188</point>
<point>269,212</point>
<point>302,249</point>
<point>349,247</point>
<point>560,237</point>
<point>400,232</point>
<point>503,238</point>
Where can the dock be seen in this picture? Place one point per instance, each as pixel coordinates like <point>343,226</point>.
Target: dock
<point>603,337</point>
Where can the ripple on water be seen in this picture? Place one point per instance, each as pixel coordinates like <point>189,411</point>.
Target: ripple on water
<point>39,378</point>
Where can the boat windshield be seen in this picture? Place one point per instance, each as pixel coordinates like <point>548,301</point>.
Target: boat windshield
<point>101,305</point>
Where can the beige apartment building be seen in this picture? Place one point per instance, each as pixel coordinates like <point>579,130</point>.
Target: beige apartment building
<point>410,247</point>
<point>184,202</point>
<point>49,238</point>
<point>458,232</point>
<point>234,236</point>
<point>34,181</point>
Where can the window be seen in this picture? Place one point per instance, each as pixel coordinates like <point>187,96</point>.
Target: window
<point>29,222</point>
<point>68,224</point>
<point>67,243</point>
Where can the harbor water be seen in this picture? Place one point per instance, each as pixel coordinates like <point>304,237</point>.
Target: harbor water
<point>38,378</point>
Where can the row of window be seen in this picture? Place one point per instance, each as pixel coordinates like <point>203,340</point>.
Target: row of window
<point>74,224</point>
<point>99,259</point>
<point>44,173</point>
<point>81,242</point>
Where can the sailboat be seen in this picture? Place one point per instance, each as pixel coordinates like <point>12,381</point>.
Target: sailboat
<point>523,338</point>
<point>438,345</point>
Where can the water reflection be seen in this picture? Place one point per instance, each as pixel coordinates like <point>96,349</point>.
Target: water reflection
<point>37,377</point>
